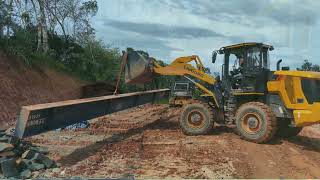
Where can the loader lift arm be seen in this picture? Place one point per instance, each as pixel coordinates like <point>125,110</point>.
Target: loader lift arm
<point>180,67</point>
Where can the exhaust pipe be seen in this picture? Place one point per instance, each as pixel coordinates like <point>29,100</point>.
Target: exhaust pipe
<point>278,64</point>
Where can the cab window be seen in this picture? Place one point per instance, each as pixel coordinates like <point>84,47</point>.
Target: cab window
<point>254,57</point>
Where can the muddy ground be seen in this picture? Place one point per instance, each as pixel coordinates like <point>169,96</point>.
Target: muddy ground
<point>146,142</point>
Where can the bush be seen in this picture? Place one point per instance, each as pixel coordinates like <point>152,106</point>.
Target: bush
<point>22,44</point>
<point>91,61</point>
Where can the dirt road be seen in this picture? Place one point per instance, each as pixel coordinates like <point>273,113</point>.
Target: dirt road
<point>146,142</point>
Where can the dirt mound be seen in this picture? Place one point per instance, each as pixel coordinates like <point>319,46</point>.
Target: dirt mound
<point>21,85</point>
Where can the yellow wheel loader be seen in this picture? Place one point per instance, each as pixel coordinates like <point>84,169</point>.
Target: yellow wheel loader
<point>259,102</point>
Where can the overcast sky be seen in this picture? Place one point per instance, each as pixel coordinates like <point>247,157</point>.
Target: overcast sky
<point>167,29</point>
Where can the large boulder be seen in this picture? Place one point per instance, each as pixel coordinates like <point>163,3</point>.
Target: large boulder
<point>8,167</point>
<point>20,159</point>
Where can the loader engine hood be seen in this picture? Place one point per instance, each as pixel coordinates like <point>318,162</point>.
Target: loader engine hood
<point>304,74</point>
<point>298,88</point>
<point>309,83</point>
<point>300,92</point>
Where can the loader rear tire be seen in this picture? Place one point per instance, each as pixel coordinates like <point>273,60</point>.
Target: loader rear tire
<point>196,119</point>
<point>256,122</point>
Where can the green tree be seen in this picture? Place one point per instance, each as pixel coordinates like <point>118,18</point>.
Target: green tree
<point>72,13</point>
<point>308,66</point>
<point>316,68</point>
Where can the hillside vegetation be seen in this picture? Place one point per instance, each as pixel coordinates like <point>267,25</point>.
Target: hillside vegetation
<point>58,34</point>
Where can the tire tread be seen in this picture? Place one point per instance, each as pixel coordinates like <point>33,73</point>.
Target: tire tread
<point>206,106</point>
<point>271,120</point>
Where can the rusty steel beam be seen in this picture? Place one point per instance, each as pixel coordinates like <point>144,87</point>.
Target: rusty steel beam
<point>36,119</point>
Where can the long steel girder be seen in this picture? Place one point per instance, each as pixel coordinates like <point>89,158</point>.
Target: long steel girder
<point>36,119</point>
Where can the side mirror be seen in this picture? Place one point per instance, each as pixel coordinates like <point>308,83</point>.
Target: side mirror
<point>214,57</point>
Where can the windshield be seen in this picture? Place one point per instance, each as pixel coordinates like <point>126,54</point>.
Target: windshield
<point>254,57</point>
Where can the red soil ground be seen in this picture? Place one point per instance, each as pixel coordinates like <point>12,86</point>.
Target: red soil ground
<point>22,85</point>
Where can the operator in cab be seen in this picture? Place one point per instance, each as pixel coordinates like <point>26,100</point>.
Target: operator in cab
<point>237,72</point>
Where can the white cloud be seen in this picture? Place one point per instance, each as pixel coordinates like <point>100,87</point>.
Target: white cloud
<point>291,26</point>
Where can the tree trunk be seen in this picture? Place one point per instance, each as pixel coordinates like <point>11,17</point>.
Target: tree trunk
<point>43,28</point>
<point>39,46</point>
<point>38,26</point>
<point>54,14</point>
<point>1,31</point>
<point>9,19</point>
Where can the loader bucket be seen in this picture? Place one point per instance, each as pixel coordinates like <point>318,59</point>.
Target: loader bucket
<point>138,69</point>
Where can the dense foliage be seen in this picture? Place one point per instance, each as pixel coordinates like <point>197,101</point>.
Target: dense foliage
<point>58,33</point>
<point>35,30</point>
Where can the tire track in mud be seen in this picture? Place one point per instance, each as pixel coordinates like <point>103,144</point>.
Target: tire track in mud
<point>282,158</point>
<point>146,119</point>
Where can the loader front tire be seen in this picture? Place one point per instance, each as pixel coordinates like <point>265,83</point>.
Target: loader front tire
<point>196,119</point>
<point>256,122</point>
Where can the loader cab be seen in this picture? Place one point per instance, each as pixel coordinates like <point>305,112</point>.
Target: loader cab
<point>246,67</point>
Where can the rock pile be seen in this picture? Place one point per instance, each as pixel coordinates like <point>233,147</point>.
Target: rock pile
<point>20,158</point>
